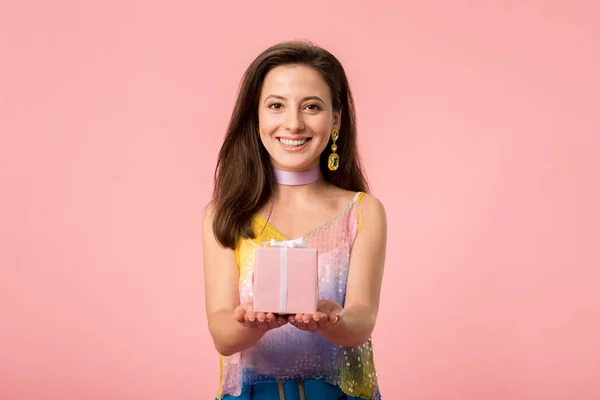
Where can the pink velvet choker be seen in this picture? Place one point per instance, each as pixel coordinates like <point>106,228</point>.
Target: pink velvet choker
<point>297,178</point>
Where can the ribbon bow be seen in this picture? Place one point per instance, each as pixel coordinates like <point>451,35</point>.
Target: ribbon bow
<point>293,243</point>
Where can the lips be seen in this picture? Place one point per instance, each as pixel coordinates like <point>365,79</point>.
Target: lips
<point>293,144</point>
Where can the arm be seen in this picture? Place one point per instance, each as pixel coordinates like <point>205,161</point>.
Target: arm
<point>363,290</point>
<point>232,326</point>
<point>355,323</point>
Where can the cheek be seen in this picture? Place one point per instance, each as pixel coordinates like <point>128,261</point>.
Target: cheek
<point>321,141</point>
<point>268,121</point>
<point>323,144</point>
<point>324,133</point>
<point>264,138</point>
<point>323,125</point>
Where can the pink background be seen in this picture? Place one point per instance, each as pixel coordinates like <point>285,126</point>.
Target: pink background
<point>480,129</point>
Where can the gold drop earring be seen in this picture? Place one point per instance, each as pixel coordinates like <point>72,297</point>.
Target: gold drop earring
<point>334,159</point>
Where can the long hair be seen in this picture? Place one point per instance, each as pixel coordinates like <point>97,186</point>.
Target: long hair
<point>243,177</point>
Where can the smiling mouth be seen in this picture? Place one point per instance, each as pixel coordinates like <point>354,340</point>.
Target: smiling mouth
<point>292,144</point>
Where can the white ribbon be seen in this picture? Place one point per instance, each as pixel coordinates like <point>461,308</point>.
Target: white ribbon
<point>283,280</point>
<point>286,243</point>
<point>283,267</point>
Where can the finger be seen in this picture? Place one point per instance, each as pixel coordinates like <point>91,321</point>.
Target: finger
<point>262,325</point>
<point>271,321</point>
<point>261,317</point>
<point>261,320</point>
<point>306,318</point>
<point>332,317</point>
<point>238,314</point>
<point>317,316</point>
<point>335,318</point>
<point>250,319</point>
<point>299,317</point>
<point>323,322</point>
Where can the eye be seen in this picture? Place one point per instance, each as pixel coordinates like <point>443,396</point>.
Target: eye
<point>275,106</point>
<point>313,107</point>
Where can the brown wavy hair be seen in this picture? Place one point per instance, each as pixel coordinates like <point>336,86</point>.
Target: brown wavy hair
<point>243,182</point>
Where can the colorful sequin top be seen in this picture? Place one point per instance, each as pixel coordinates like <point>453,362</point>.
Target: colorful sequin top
<point>288,352</point>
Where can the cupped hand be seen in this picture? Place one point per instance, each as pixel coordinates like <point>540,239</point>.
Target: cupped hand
<point>328,314</point>
<point>246,316</point>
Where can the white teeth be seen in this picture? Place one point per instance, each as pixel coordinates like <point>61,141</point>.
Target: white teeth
<point>292,143</point>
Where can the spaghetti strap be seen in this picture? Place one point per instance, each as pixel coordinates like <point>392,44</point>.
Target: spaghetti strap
<point>357,197</point>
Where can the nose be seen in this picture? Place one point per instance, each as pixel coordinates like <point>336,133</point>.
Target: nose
<point>293,121</point>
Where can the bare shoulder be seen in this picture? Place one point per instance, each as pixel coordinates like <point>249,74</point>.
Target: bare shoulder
<point>372,209</point>
<point>373,230</point>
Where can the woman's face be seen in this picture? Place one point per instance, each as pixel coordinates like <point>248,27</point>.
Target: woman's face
<point>295,117</point>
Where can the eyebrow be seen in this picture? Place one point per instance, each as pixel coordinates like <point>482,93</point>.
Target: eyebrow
<point>304,99</point>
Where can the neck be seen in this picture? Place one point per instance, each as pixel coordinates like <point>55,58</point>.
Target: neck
<point>297,178</point>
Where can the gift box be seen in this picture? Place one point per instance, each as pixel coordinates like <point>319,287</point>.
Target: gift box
<point>285,278</point>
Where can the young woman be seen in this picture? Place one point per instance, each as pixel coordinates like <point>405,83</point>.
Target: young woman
<point>289,169</point>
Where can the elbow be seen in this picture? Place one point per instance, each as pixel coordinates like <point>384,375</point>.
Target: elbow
<point>222,347</point>
<point>224,350</point>
<point>220,342</point>
<point>354,341</point>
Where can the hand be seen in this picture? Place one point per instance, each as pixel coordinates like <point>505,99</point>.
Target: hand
<point>329,313</point>
<point>246,316</point>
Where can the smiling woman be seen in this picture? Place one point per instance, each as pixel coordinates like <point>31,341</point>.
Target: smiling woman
<point>289,174</point>
<point>296,116</point>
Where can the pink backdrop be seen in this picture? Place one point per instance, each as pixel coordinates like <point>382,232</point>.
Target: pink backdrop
<point>480,129</point>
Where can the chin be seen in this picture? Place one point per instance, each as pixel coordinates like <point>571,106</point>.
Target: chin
<point>288,166</point>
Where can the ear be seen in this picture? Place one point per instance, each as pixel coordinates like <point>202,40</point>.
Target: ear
<point>337,119</point>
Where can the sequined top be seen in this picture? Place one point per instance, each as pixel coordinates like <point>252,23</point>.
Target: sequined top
<point>288,352</point>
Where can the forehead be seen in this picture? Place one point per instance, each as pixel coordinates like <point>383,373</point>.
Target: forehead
<point>294,80</point>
